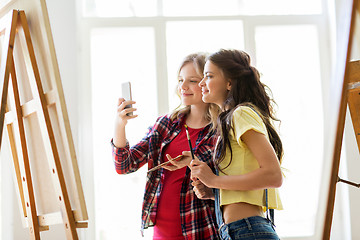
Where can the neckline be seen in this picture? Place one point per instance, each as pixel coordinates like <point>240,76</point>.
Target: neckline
<point>194,129</point>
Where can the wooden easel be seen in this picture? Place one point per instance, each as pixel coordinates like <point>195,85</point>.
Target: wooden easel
<point>14,26</point>
<point>350,96</point>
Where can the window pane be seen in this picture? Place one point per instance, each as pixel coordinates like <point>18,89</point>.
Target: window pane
<point>184,38</point>
<point>288,59</point>
<point>274,7</point>
<point>240,7</point>
<point>200,7</point>
<point>120,8</point>
<point>147,8</point>
<point>119,55</point>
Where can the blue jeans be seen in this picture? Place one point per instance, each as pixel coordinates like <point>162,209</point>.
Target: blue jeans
<point>248,229</point>
<point>251,228</point>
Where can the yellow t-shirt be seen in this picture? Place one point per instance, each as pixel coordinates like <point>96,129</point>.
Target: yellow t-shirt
<point>243,161</point>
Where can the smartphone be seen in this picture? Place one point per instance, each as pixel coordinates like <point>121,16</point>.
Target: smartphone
<point>126,94</point>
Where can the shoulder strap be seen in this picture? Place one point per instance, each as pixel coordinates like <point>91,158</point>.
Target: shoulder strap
<point>270,215</point>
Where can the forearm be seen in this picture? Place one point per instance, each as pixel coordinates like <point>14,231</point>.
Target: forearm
<point>119,138</point>
<point>257,179</point>
<point>128,160</point>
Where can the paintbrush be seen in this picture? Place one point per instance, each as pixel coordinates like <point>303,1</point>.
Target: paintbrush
<point>188,137</point>
<point>164,163</point>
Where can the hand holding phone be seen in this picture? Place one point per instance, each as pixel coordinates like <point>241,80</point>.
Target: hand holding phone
<point>126,94</point>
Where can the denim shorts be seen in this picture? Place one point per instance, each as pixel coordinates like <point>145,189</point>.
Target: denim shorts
<point>248,229</point>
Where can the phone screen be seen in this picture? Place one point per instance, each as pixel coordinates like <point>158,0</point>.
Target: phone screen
<point>126,94</point>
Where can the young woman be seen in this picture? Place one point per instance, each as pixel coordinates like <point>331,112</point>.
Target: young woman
<point>170,204</point>
<point>248,150</point>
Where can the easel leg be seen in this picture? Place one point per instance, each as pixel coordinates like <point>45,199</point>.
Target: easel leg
<point>26,173</point>
<point>339,133</point>
<point>55,165</point>
<point>7,68</point>
<point>18,26</point>
<point>7,51</point>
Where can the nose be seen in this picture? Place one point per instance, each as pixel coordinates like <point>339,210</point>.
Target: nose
<point>184,85</point>
<point>202,82</point>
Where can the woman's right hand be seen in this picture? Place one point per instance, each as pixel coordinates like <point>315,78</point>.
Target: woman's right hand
<point>121,119</point>
<point>121,116</point>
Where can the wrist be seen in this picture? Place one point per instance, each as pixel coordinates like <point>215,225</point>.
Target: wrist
<point>213,182</point>
<point>122,122</point>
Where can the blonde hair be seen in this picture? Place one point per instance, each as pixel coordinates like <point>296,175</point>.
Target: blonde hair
<point>198,61</point>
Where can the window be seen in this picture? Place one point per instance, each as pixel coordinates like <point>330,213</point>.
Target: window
<point>124,8</point>
<point>119,55</point>
<point>144,42</point>
<point>243,7</point>
<point>280,51</point>
<point>148,8</point>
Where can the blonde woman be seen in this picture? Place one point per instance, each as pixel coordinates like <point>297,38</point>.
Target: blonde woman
<point>170,204</point>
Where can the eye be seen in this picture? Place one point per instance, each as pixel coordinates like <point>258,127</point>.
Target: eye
<point>181,80</point>
<point>195,80</point>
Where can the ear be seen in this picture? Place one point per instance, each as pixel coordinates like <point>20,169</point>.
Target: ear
<point>228,85</point>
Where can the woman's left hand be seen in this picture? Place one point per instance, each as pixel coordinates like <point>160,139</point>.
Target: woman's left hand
<point>202,191</point>
<point>201,171</point>
<point>177,164</point>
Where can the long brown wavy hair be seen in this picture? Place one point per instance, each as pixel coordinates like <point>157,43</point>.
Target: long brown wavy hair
<point>198,60</point>
<point>246,90</point>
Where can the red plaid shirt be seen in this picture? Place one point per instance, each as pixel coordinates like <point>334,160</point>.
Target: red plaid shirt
<point>197,216</point>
